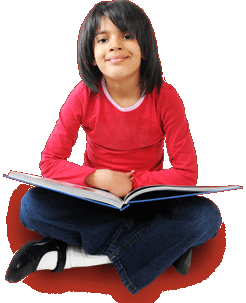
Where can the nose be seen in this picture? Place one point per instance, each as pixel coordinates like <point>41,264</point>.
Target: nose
<point>115,44</point>
<point>115,48</point>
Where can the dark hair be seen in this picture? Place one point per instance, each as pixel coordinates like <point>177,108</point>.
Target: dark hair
<point>128,17</point>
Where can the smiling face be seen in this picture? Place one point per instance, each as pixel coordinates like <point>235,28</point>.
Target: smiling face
<point>117,54</point>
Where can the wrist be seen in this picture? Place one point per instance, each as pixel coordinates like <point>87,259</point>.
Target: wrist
<point>98,179</point>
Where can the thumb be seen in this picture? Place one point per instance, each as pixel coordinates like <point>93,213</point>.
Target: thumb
<point>129,175</point>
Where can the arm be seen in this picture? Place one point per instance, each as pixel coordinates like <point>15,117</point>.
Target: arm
<point>117,183</point>
<point>179,143</point>
<point>58,149</point>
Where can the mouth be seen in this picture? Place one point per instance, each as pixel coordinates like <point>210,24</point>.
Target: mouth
<point>117,59</point>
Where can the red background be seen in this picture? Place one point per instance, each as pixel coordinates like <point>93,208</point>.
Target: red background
<point>201,46</point>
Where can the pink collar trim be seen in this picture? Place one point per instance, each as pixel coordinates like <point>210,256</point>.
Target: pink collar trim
<point>122,109</point>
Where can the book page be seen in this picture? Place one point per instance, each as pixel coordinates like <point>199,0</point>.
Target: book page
<point>69,189</point>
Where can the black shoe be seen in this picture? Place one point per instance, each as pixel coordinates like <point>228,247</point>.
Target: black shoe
<point>26,260</point>
<point>182,265</point>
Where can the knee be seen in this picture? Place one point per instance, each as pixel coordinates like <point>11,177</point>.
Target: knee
<point>29,206</point>
<point>209,214</point>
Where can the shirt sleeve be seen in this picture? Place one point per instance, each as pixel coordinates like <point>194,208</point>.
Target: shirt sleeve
<point>54,163</point>
<point>179,144</point>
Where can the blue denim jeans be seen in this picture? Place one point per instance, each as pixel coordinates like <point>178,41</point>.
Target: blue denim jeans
<point>141,241</point>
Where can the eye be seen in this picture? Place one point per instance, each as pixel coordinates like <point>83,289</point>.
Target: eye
<point>128,37</point>
<point>102,40</point>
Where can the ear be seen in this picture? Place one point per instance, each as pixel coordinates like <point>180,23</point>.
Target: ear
<point>94,63</point>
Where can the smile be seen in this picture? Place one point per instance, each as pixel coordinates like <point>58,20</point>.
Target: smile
<point>116,60</point>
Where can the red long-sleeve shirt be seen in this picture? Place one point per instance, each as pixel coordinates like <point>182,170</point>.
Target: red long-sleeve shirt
<point>123,139</point>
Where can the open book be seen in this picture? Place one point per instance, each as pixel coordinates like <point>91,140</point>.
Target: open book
<point>143,194</point>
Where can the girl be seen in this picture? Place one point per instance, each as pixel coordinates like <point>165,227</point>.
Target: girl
<point>126,110</point>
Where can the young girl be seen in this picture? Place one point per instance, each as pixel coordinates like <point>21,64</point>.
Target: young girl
<point>126,110</point>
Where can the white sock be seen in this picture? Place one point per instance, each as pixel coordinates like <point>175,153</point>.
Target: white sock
<point>75,257</point>
<point>48,261</point>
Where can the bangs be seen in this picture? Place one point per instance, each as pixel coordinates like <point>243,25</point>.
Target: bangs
<point>126,17</point>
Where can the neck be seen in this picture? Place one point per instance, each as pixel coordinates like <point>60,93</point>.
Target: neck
<point>124,92</point>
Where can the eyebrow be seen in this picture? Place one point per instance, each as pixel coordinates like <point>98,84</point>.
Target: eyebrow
<point>100,33</point>
<point>106,32</point>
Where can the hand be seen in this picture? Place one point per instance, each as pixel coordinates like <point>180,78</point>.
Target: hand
<point>117,183</point>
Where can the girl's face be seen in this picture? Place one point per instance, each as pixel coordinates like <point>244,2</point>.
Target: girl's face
<point>117,54</point>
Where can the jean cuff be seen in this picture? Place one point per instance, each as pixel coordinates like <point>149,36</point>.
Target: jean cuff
<point>123,275</point>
